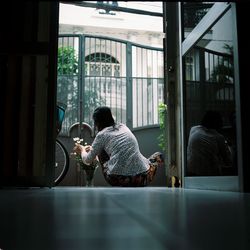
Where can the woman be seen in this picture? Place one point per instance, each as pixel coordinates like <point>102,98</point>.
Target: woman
<point>208,152</point>
<point>118,152</point>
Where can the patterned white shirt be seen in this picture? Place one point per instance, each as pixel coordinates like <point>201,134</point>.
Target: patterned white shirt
<point>207,151</point>
<point>122,147</point>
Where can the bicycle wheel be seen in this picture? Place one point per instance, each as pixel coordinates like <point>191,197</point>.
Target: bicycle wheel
<point>61,162</point>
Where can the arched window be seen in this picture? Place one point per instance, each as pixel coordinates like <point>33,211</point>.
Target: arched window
<point>101,64</point>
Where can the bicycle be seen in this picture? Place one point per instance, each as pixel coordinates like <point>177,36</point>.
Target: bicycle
<point>61,154</point>
<point>62,162</point>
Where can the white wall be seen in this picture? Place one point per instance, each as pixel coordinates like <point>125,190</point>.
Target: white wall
<point>143,29</point>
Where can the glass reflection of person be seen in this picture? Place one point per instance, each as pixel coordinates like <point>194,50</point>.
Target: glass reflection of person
<point>207,151</point>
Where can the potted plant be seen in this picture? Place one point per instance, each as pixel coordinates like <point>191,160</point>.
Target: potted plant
<point>89,170</point>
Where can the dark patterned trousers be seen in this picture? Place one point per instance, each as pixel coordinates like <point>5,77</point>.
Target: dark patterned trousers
<point>139,180</point>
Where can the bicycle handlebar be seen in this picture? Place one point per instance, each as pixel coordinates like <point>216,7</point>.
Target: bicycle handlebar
<point>60,110</point>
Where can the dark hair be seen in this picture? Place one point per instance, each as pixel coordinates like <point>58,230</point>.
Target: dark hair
<point>212,120</point>
<point>103,118</point>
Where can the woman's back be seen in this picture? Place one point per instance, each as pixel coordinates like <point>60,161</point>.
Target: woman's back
<point>206,152</point>
<point>123,150</point>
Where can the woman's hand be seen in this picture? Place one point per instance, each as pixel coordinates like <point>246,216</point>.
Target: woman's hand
<point>87,148</point>
<point>79,149</point>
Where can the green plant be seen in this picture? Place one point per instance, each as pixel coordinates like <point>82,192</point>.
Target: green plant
<point>224,72</point>
<point>67,62</point>
<point>162,110</point>
<point>67,89</point>
<point>78,158</point>
<point>88,169</point>
<point>68,85</point>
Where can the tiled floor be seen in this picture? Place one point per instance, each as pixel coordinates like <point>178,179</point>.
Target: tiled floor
<point>123,219</point>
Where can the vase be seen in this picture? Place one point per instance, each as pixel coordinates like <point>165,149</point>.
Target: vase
<point>89,174</point>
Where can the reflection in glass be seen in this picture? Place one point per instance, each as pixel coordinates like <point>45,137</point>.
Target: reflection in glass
<point>209,83</point>
<point>193,12</point>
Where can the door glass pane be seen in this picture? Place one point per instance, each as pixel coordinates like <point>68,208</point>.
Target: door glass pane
<point>209,85</point>
<point>193,12</point>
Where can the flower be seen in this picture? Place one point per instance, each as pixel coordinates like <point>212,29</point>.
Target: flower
<point>78,140</point>
<point>78,157</point>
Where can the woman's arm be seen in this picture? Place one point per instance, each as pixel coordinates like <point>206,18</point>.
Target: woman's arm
<point>88,153</point>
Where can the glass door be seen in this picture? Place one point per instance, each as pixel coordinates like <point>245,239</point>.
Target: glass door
<point>201,75</point>
<point>210,87</point>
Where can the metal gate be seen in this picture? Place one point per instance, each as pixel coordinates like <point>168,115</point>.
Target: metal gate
<point>97,71</point>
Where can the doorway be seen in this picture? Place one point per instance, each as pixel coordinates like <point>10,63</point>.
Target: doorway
<point>119,64</point>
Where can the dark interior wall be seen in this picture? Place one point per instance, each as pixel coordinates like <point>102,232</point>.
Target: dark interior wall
<point>242,12</point>
<point>11,33</point>
<point>28,76</point>
<point>15,32</point>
